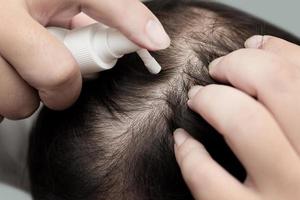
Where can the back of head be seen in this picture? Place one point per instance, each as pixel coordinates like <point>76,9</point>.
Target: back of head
<point>116,141</point>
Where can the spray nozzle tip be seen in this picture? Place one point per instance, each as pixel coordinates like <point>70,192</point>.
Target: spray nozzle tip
<point>152,65</point>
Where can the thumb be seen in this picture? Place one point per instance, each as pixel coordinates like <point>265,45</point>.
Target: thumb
<point>132,18</point>
<point>203,175</point>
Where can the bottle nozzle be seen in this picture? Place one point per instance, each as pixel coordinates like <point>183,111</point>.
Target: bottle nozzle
<point>152,65</point>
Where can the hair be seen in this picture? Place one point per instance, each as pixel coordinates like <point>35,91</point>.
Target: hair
<point>116,141</point>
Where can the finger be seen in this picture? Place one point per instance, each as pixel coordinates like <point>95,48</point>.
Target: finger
<point>18,99</point>
<point>250,131</point>
<point>40,59</point>
<point>277,46</point>
<point>249,183</point>
<point>81,20</point>
<point>132,18</point>
<point>274,81</point>
<point>202,174</point>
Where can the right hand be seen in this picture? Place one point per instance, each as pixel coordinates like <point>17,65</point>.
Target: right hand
<point>35,67</point>
<point>258,118</point>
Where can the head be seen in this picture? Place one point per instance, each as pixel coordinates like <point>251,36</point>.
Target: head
<point>116,141</point>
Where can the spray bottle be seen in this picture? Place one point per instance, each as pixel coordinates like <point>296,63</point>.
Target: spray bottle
<point>97,48</point>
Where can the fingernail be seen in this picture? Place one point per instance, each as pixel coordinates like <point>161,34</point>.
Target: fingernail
<point>180,136</point>
<point>214,63</point>
<point>194,90</point>
<point>157,34</point>
<point>254,42</point>
<point>189,103</point>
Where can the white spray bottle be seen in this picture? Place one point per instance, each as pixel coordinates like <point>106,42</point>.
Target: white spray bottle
<point>97,48</point>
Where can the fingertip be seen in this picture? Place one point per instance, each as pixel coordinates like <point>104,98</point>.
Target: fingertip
<point>64,96</point>
<point>212,67</point>
<point>194,90</point>
<point>189,103</point>
<point>185,146</point>
<point>180,136</point>
<point>133,19</point>
<point>157,35</point>
<point>258,41</point>
<point>192,93</point>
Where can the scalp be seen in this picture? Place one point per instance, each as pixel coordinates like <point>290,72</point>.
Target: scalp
<point>116,141</point>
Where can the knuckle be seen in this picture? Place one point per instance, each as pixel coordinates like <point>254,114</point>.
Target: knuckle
<point>184,151</point>
<point>245,113</point>
<point>282,75</point>
<point>197,174</point>
<point>25,112</point>
<point>206,97</point>
<point>18,101</point>
<point>202,172</point>
<point>187,153</point>
<point>193,165</point>
<point>21,110</point>
<point>63,75</point>
<point>234,56</point>
<point>233,60</point>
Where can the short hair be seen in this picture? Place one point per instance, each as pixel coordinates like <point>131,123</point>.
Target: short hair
<point>116,141</point>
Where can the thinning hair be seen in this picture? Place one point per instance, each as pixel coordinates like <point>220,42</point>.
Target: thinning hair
<point>116,141</point>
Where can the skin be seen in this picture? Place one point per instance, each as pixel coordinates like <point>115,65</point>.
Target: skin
<point>259,119</point>
<point>35,67</point>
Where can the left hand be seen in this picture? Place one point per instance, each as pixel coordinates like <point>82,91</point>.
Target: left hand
<point>35,66</point>
<point>259,119</point>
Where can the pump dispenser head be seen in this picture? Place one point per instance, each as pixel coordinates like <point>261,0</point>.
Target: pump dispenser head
<point>97,48</point>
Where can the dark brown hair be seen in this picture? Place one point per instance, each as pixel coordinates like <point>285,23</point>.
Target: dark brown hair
<point>116,141</point>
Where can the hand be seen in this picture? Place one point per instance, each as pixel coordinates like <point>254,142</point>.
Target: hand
<point>259,120</point>
<point>35,66</point>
